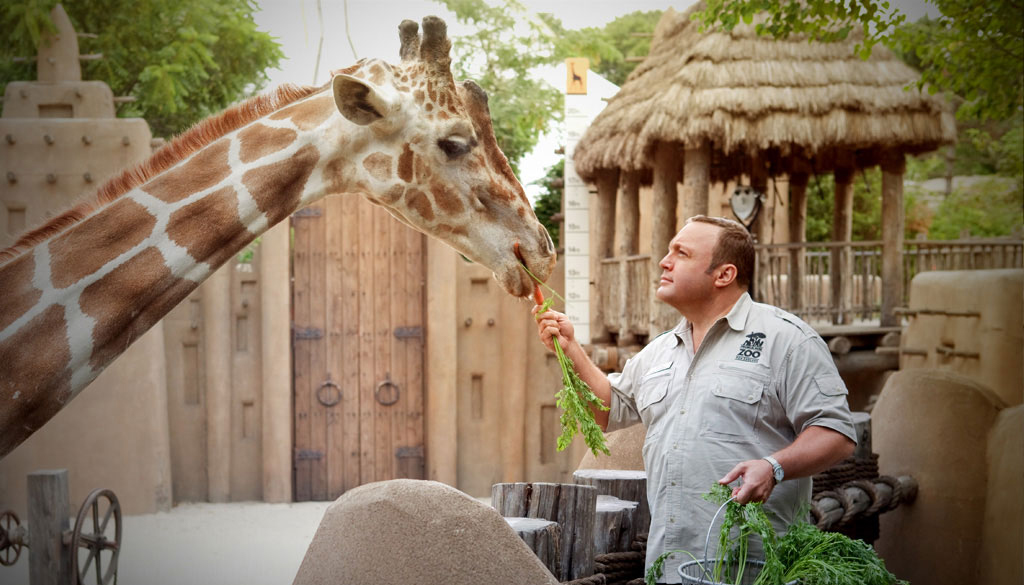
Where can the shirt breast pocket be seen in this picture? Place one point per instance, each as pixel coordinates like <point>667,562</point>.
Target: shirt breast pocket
<point>732,406</point>
<point>650,398</point>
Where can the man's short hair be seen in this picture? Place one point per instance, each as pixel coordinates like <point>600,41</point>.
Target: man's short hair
<point>734,246</point>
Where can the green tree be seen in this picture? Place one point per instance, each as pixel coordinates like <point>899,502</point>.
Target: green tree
<point>867,208</point>
<point>974,49</point>
<point>609,48</point>
<point>499,54</point>
<point>182,60</point>
<point>550,201</point>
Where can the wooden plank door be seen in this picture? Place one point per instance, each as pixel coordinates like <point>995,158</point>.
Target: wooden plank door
<point>358,332</point>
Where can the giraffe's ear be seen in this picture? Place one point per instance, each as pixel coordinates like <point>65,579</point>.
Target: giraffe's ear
<point>360,101</point>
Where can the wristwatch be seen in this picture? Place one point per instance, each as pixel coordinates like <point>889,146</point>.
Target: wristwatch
<point>777,471</point>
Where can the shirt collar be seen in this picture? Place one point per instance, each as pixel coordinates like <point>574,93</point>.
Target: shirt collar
<point>736,317</point>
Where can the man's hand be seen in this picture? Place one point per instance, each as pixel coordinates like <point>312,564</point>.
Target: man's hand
<point>758,481</point>
<point>551,324</point>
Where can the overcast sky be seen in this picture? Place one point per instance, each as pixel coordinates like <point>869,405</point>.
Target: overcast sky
<point>373,26</point>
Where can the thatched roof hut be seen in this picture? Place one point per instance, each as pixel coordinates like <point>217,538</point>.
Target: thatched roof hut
<point>748,95</point>
<point>720,106</point>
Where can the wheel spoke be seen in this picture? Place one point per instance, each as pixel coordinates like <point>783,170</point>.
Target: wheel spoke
<point>96,515</point>
<point>88,560</point>
<point>106,519</point>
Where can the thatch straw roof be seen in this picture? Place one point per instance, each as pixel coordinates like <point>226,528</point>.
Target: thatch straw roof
<point>748,94</point>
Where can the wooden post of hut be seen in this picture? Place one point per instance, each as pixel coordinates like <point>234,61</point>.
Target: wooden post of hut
<point>603,238</point>
<point>799,173</point>
<point>628,224</point>
<point>842,232</point>
<point>893,166</point>
<point>696,180</point>
<point>762,224</point>
<point>663,228</point>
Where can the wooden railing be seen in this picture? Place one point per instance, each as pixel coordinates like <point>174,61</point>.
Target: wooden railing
<point>625,285</point>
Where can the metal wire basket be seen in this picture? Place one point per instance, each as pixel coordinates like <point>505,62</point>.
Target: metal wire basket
<point>700,572</point>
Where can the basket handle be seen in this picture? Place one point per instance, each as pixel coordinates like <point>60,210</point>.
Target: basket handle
<point>707,540</point>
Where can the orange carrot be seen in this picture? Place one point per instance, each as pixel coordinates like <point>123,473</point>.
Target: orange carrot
<point>538,296</point>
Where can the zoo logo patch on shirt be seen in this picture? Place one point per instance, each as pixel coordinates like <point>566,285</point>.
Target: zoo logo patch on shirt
<point>750,350</point>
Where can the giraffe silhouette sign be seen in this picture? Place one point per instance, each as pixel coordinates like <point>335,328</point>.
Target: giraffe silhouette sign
<point>576,75</point>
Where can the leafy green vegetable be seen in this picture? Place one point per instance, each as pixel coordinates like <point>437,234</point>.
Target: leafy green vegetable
<point>575,398</point>
<point>804,554</point>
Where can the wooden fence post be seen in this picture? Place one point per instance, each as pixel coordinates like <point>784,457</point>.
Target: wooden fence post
<point>49,562</point>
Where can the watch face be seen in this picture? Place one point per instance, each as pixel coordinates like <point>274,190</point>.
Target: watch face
<point>778,474</point>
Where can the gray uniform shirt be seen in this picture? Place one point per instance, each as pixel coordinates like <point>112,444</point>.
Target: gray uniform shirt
<point>759,378</point>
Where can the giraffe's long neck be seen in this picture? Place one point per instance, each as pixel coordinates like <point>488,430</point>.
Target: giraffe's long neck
<point>81,297</point>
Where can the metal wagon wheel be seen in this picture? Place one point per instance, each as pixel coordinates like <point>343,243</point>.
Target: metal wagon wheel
<point>98,542</point>
<point>9,549</point>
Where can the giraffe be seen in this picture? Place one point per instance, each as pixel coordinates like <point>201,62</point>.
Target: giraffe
<point>77,291</point>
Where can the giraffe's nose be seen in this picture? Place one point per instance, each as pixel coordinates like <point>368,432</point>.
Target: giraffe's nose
<point>549,246</point>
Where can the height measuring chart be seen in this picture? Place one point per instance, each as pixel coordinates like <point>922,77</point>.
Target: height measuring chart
<point>580,110</point>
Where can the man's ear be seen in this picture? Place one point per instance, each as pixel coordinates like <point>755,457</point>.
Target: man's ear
<point>725,275</point>
<point>360,101</point>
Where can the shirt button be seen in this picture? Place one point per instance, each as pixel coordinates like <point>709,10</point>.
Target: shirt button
<point>672,519</point>
<point>750,396</point>
<point>673,483</point>
<point>683,411</point>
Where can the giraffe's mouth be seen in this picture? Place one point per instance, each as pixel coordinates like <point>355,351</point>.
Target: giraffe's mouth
<point>522,262</point>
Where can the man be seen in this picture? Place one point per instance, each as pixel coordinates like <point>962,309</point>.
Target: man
<point>738,390</point>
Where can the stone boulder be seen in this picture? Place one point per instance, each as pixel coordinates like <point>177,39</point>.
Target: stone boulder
<point>406,531</point>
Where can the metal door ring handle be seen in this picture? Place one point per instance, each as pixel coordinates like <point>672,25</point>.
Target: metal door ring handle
<point>331,397</point>
<point>390,397</point>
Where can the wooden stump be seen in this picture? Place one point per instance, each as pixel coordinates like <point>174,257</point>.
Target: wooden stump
<point>542,536</point>
<point>624,484</point>
<point>614,524</point>
<point>572,506</point>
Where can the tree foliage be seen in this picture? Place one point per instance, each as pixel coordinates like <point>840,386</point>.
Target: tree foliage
<point>182,60</point>
<point>819,20</point>
<point>608,47</point>
<point>550,200</point>
<point>499,54</point>
<point>974,49</point>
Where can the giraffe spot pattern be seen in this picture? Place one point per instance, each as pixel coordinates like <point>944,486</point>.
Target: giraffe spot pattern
<point>334,173</point>
<point>405,164</point>
<point>309,113</point>
<point>257,141</point>
<point>417,201</point>
<point>36,356</point>
<point>445,197</point>
<point>210,228</point>
<point>92,243</point>
<point>205,169</point>
<point>393,194</point>
<point>379,166</point>
<point>277,187</point>
<point>19,294</point>
<point>128,301</point>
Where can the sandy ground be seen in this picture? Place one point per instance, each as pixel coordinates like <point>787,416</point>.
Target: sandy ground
<point>214,544</point>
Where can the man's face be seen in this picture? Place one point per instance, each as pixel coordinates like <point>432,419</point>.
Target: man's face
<point>684,277</point>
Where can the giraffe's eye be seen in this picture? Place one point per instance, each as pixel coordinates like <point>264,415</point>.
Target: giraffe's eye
<point>455,146</point>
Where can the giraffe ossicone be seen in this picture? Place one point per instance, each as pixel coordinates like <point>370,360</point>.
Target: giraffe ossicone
<point>77,291</point>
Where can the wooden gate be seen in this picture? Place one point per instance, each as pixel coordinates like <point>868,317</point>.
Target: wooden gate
<point>358,345</point>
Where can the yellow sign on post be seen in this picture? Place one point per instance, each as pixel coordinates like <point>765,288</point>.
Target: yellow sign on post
<point>576,75</point>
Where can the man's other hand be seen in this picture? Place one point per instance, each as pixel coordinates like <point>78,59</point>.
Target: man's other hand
<point>758,481</point>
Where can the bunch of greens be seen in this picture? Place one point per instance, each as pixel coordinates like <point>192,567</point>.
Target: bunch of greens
<point>804,554</point>
<point>575,398</point>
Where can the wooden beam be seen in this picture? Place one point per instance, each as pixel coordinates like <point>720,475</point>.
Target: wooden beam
<point>663,228</point>
<point>893,166</point>
<point>49,517</point>
<point>216,294</point>
<point>629,214</point>
<point>602,238</point>
<point>842,230</point>
<point>798,234</point>
<point>696,180</point>
<point>276,363</point>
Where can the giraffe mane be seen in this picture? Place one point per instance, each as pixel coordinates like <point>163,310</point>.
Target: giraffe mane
<point>195,138</point>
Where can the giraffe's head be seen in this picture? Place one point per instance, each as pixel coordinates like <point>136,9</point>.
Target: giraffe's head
<point>428,154</point>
